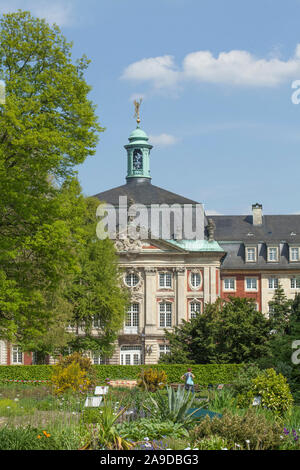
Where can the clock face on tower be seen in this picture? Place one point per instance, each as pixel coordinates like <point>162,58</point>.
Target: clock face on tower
<point>137,159</point>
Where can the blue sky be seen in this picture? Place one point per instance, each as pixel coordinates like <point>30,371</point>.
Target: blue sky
<point>216,80</point>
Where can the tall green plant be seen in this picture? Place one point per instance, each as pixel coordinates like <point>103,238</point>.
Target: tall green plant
<point>105,433</point>
<point>172,406</point>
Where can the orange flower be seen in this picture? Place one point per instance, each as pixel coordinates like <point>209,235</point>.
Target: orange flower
<point>46,434</point>
<point>39,437</point>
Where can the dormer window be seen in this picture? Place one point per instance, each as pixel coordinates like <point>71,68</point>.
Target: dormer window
<point>272,253</point>
<point>294,253</point>
<point>251,254</point>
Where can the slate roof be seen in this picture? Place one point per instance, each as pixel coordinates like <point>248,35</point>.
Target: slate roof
<point>274,228</point>
<point>234,232</point>
<point>142,192</point>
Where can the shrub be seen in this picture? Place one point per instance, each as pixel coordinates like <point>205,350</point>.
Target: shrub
<point>70,377</point>
<point>274,391</point>
<point>251,430</point>
<point>84,362</point>
<point>152,379</point>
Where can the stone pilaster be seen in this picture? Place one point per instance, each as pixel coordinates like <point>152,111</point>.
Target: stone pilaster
<point>180,295</point>
<point>150,300</point>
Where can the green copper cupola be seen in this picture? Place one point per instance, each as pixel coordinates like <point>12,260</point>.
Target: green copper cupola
<point>138,153</point>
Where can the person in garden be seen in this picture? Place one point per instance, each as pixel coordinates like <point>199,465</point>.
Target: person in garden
<point>189,380</point>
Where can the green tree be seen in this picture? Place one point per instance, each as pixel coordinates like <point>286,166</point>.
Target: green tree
<point>227,332</point>
<point>280,348</point>
<point>280,309</point>
<point>48,126</point>
<point>96,293</point>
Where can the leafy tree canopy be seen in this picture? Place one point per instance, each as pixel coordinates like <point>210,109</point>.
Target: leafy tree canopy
<point>226,332</point>
<point>48,126</point>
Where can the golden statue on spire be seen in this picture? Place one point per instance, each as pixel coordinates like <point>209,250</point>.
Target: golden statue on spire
<point>137,105</point>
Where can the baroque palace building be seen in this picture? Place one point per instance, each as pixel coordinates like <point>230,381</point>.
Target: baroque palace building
<point>172,278</point>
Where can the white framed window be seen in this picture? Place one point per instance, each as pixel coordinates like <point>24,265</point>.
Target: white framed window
<point>273,282</point>
<point>130,355</point>
<point>195,280</point>
<point>165,314</point>
<point>195,309</point>
<point>164,349</point>
<point>165,280</point>
<point>251,283</point>
<point>131,279</point>
<point>294,253</point>
<point>250,254</point>
<point>295,283</point>
<point>17,355</point>
<point>229,283</point>
<point>132,319</point>
<point>273,253</point>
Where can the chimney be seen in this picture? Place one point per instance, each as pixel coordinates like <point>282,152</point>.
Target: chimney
<point>257,214</point>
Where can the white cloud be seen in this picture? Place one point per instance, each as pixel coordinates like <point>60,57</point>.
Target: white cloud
<point>236,67</point>
<point>161,71</point>
<point>163,140</point>
<point>59,12</point>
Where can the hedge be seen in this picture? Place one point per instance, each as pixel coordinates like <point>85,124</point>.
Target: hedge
<point>204,373</point>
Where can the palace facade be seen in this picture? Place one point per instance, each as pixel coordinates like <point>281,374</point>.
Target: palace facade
<point>172,278</point>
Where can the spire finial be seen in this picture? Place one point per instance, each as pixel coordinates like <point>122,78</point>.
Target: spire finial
<point>137,105</point>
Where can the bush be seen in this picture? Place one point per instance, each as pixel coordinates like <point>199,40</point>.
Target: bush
<point>249,431</point>
<point>70,377</point>
<point>151,429</point>
<point>152,380</point>
<point>274,391</point>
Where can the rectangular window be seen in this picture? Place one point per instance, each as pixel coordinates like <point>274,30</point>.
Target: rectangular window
<point>273,283</point>
<point>98,359</point>
<point>165,314</point>
<point>295,283</point>
<point>165,280</point>
<point>251,283</point>
<point>294,254</point>
<point>195,309</point>
<point>272,254</point>
<point>195,280</point>
<point>229,283</point>
<point>17,355</point>
<point>251,254</point>
<point>132,317</point>
<point>164,349</point>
